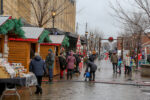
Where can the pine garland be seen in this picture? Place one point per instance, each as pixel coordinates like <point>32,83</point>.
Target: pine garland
<point>66,42</point>
<point>12,25</point>
<point>45,36</point>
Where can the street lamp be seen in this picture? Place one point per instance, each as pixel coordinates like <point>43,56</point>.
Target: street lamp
<point>53,16</point>
<point>86,34</point>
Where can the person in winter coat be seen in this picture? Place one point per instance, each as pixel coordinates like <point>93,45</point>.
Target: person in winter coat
<point>38,67</point>
<point>114,60</point>
<point>119,64</point>
<point>93,68</point>
<point>148,58</point>
<point>92,58</point>
<point>78,60</point>
<point>127,62</point>
<point>70,65</point>
<point>50,58</point>
<point>62,62</point>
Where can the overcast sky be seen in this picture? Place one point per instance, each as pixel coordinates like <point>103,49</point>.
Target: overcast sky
<point>97,14</point>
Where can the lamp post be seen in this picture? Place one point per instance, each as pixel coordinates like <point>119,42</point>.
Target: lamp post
<point>86,34</point>
<point>53,16</point>
<point>92,42</point>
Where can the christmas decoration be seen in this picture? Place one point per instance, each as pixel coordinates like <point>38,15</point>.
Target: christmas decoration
<point>66,42</point>
<point>110,39</point>
<point>44,36</point>
<point>13,25</point>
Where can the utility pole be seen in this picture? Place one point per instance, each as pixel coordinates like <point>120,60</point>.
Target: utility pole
<point>77,27</point>
<point>122,48</point>
<point>99,45</point>
<point>86,34</point>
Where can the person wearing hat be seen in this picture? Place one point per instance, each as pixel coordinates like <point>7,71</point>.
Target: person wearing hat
<point>50,63</point>
<point>114,60</point>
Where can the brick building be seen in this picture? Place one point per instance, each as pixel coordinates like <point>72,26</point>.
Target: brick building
<point>130,43</point>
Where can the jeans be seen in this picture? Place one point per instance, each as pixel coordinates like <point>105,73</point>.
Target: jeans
<point>115,67</point>
<point>92,75</point>
<point>50,73</point>
<point>127,70</point>
<point>69,73</point>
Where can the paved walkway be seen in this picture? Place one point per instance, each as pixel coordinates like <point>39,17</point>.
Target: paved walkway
<point>105,74</point>
<point>77,89</point>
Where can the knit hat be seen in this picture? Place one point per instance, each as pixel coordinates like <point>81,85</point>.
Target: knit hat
<point>50,50</point>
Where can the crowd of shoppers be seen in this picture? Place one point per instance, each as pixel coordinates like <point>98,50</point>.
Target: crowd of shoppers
<point>69,62</point>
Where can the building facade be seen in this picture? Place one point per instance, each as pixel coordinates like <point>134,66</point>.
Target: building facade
<point>65,12</point>
<point>130,43</point>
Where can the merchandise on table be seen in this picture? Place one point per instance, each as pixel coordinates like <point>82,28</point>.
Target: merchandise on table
<point>19,69</point>
<point>8,70</point>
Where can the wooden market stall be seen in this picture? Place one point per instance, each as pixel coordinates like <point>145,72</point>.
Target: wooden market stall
<point>55,45</point>
<point>22,50</point>
<point>4,30</point>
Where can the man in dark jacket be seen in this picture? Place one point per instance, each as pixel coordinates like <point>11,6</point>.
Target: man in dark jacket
<point>50,58</point>
<point>78,60</point>
<point>92,57</point>
<point>114,60</point>
<point>38,67</point>
<point>93,68</point>
<point>148,58</point>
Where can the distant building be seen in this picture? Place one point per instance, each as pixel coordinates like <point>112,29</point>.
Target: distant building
<point>130,43</point>
<point>65,21</point>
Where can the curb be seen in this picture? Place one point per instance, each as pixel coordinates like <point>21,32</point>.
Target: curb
<point>103,82</point>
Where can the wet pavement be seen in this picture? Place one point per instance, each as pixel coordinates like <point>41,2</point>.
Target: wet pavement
<point>80,90</point>
<point>77,89</point>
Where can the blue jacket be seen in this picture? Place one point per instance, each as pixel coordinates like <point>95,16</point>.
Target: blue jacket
<point>37,66</point>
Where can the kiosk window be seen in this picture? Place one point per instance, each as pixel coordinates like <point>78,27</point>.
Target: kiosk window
<point>56,50</point>
<point>32,50</point>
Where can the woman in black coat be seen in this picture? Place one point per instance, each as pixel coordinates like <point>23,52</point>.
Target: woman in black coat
<point>62,62</point>
<point>93,68</point>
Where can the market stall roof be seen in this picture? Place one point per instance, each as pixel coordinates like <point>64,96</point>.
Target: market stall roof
<point>3,19</point>
<point>57,38</point>
<point>74,37</point>
<point>55,31</point>
<point>32,32</point>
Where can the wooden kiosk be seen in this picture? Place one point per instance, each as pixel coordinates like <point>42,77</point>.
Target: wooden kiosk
<point>55,46</point>
<point>23,50</point>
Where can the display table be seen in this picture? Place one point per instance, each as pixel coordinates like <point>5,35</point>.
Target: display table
<point>17,81</point>
<point>27,81</point>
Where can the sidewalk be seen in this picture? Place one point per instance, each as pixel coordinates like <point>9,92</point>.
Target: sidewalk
<point>105,74</point>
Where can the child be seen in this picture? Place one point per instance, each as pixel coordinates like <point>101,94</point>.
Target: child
<point>87,75</point>
<point>119,65</point>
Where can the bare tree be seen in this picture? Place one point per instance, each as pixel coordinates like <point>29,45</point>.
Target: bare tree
<point>42,9</point>
<point>134,22</point>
